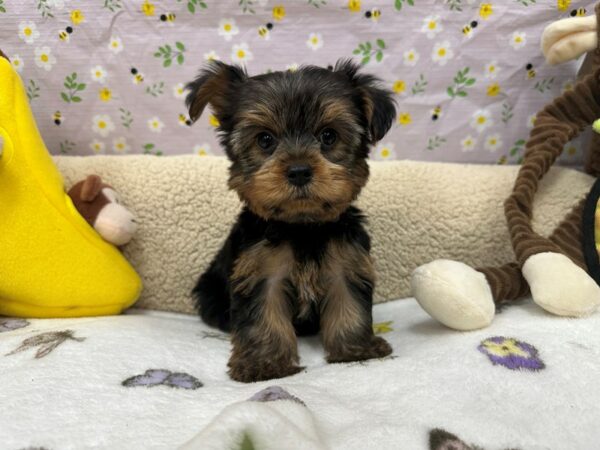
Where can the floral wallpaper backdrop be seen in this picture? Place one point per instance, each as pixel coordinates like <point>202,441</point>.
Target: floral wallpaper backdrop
<point>108,76</point>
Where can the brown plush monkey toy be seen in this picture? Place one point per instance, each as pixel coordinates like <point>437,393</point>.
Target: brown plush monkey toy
<point>99,204</point>
<point>561,271</point>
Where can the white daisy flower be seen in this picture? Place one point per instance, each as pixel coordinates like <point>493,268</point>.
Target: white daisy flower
<point>28,32</point>
<point>211,56</point>
<point>481,120</point>
<point>17,63</point>
<point>115,45</point>
<point>228,29</point>
<point>315,41</point>
<point>410,57</point>
<point>292,67</point>
<point>442,53</point>
<point>518,40</point>
<point>468,143</point>
<point>531,121</point>
<point>493,142</point>
<point>432,26</point>
<point>102,124</point>
<point>97,146</point>
<point>491,70</point>
<point>179,90</point>
<point>385,151</point>
<point>98,74</point>
<point>202,149</point>
<point>241,53</point>
<point>120,145</point>
<point>155,124</point>
<point>44,58</point>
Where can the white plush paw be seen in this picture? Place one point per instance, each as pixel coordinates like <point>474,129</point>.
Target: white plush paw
<point>454,294</point>
<point>560,286</point>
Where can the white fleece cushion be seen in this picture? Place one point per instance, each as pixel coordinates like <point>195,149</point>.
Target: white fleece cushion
<point>417,212</point>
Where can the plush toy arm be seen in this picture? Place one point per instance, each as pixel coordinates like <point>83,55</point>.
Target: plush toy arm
<point>568,39</point>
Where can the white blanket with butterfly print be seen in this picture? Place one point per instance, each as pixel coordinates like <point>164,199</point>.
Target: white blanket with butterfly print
<point>157,380</point>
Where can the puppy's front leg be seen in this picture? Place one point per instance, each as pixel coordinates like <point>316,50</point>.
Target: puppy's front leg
<point>263,337</point>
<point>346,319</point>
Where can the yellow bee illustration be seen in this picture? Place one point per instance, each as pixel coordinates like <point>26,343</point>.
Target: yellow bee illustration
<point>184,120</point>
<point>374,14</point>
<point>469,28</point>
<point>579,12</point>
<point>530,71</point>
<point>57,118</point>
<point>502,160</point>
<point>264,31</point>
<point>65,35</point>
<point>168,17</point>
<point>137,76</point>
<point>436,112</point>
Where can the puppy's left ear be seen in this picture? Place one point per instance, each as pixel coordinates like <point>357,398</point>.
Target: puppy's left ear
<point>378,103</point>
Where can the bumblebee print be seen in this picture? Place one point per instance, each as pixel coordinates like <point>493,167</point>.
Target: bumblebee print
<point>57,118</point>
<point>65,35</point>
<point>137,76</point>
<point>374,14</point>
<point>264,31</point>
<point>436,113</point>
<point>469,28</point>
<point>168,18</point>
<point>184,120</point>
<point>579,12</point>
<point>530,71</point>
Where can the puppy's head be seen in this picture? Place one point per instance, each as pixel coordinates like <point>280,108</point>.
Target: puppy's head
<point>298,141</point>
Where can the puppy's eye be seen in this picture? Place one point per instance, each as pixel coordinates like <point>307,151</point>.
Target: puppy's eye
<point>328,137</point>
<point>266,141</point>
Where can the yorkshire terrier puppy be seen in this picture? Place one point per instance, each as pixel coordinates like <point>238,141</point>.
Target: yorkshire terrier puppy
<point>297,260</point>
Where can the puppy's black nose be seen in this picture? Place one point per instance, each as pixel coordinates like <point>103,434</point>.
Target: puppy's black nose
<point>299,175</point>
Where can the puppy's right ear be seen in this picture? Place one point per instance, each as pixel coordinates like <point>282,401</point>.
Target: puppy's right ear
<point>213,85</point>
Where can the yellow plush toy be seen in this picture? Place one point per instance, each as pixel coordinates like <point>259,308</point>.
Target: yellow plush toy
<point>52,262</point>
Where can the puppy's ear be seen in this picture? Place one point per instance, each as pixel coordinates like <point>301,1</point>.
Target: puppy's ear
<point>378,104</point>
<point>213,85</point>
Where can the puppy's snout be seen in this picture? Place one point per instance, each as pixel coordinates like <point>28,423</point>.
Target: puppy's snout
<point>299,175</point>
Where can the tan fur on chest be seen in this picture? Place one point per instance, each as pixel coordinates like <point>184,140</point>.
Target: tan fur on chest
<point>312,281</point>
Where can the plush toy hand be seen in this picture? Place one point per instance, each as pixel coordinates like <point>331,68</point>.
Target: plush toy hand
<point>100,205</point>
<point>568,39</point>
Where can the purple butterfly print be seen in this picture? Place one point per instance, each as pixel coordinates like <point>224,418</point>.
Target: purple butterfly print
<point>8,324</point>
<point>511,353</point>
<point>273,393</point>
<point>162,377</point>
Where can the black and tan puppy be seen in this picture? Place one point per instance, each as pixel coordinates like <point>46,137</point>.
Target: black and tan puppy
<point>297,260</point>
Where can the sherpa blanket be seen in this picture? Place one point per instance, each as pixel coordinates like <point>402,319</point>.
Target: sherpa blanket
<point>417,212</point>
<point>151,380</point>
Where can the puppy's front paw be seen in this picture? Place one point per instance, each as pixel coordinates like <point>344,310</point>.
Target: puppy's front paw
<point>249,371</point>
<point>375,348</point>
<point>560,286</point>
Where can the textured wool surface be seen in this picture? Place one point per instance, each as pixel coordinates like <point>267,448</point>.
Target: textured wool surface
<point>154,381</point>
<point>418,212</point>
